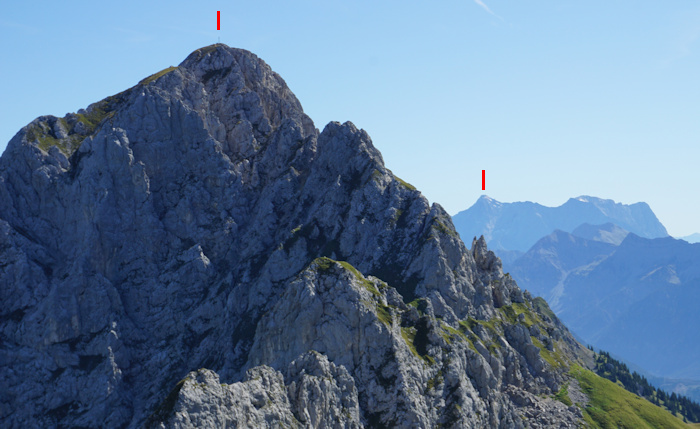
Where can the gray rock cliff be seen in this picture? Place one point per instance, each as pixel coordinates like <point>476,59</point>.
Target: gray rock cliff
<point>193,252</point>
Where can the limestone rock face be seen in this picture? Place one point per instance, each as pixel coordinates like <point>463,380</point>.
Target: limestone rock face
<point>200,401</point>
<point>198,225</point>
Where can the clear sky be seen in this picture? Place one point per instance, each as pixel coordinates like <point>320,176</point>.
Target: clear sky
<point>553,99</point>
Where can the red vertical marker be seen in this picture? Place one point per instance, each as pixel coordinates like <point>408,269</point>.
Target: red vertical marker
<point>218,20</point>
<point>483,180</point>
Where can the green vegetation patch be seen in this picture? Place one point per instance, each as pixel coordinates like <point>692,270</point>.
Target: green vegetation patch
<point>415,303</point>
<point>619,373</point>
<point>99,112</point>
<point>41,134</point>
<point>563,395</point>
<point>384,314</point>
<point>553,358</point>
<point>409,336</point>
<point>323,263</point>
<point>155,76</point>
<point>466,331</point>
<point>442,228</point>
<point>405,184</point>
<point>435,381</point>
<point>397,215</point>
<point>493,326</point>
<point>383,311</point>
<point>448,332</point>
<point>366,283</point>
<point>468,324</point>
<point>512,313</point>
<point>542,307</point>
<point>611,406</point>
<point>420,304</point>
<point>45,138</point>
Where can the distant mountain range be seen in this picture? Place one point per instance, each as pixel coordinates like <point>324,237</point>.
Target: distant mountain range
<point>636,296</point>
<point>512,228</point>
<point>638,299</point>
<point>692,238</point>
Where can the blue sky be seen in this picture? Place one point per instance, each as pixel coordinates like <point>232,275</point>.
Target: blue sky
<point>553,99</point>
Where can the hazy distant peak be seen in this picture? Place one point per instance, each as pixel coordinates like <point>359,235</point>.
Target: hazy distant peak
<point>692,238</point>
<point>485,199</point>
<point>606,233</point>
<point>634,242</point>
<point>517,226</point>
<point>635,298</point>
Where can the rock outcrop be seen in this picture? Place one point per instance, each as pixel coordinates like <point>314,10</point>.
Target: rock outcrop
<point>198,225</point>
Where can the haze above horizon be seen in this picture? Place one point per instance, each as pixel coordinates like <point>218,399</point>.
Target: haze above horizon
<point>553,101</point>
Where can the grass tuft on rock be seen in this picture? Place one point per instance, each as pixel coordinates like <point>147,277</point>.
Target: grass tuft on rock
<point>155,76</point>
<point>405,184</point>
<point>563,395</point>
<point>383,311</point>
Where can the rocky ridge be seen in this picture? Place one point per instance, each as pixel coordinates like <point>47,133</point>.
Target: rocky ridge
<point>198,225</point>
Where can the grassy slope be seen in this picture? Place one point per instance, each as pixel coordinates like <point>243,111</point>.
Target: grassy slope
<point>611,406</point>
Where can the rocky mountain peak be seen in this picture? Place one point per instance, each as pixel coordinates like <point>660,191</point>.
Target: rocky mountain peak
<point>486,202</point>
<point>225,71</point>
<point>199,220</point>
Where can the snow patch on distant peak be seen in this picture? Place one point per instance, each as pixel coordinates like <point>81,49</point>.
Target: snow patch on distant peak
<point>485,198</point>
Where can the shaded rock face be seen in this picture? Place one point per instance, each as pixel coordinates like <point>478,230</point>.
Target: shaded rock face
<point>195,221</point>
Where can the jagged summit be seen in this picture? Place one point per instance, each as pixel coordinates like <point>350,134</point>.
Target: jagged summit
<point>197,229</point>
